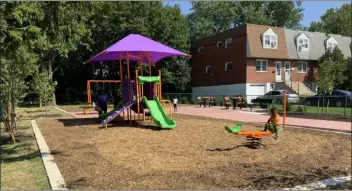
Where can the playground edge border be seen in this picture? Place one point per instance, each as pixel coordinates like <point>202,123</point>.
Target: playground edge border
<point>56,179</point>
<point>65,112</point>
<point>322,184</point>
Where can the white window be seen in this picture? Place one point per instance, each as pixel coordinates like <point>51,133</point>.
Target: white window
<point>228,43</point>
<point>207,69</point>
<point>331,43</point>
<point>270,41</point>
<point>228,66</point>
<point>302,42</point>
<point>272,86</point>
<point>200,49</point>
<point>302,67</point>
<point>219,44</point>
<point>261,65</point>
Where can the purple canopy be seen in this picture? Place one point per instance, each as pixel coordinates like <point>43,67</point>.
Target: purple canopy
<point>136,45</point>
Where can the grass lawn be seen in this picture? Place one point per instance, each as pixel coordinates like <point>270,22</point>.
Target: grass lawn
<point>198,154</point>
<point>314,109</point>
<point>22,167</point>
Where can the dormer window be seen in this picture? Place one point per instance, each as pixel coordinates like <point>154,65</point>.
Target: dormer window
<point>219,44</point>
<point>331,43</point>
<point>302,42</point>
<point>269,39</point>
<point>200,49</point>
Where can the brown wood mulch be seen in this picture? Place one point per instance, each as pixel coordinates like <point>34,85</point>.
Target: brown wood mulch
<point>197,154</point>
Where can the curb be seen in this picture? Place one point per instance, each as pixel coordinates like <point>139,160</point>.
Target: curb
<point>56,180</point>
<point>322,184</point>
<point>65,112</point>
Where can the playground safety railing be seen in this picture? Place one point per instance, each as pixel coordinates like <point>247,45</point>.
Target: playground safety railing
<point>169,104</point>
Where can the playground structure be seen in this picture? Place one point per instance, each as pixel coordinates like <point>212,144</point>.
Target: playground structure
<point>143,92</point>
<point>89,94</point>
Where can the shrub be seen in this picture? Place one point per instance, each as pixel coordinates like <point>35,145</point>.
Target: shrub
<point>184,100</point>
<point>299,109</point>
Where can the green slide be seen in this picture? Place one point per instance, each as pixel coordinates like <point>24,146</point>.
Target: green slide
<point>105,115</point>
<point>158,114</point>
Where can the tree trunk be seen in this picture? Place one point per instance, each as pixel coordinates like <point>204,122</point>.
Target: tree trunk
<point>51,73</point>
<point>46,111</point>
<point>40,103</point>
<point>10,121</point>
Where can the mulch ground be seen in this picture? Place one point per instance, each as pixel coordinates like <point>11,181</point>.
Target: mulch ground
<point>197,154</point>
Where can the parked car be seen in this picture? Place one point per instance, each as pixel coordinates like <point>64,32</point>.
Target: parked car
<point>337,98</point>
<point>277,96</point>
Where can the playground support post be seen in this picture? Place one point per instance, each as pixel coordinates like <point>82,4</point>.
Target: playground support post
<point>137,96</point>
<point>160,93</point>
<point>88,93</point>
<point>284,119</point>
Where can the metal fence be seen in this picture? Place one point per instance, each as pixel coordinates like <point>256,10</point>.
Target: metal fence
<point>339,105</point>
<point>306,104</point>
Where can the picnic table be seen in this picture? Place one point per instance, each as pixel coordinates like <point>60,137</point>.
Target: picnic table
<point>237,101</point>
<point>206,100</point>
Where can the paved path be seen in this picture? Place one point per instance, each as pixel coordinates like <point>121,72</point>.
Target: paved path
<point>244,116</point>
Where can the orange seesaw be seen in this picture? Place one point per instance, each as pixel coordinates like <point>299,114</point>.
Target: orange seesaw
<point>253,137</point>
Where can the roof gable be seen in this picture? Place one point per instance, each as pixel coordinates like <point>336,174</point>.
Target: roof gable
<point>269,32</point>
<point>302,35</point>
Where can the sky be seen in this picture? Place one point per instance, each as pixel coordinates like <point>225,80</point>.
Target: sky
<point>312,9</point>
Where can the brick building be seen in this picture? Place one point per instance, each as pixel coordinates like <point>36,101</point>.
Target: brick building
<point>254,59</point>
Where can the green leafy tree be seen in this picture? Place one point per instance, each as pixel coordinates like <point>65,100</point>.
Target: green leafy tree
<point>44,87</point>
<point>332,61</point>
<point>17,56</point>
<point>64,28</point>
<point>326,76</point>
<point>208,18</point>
<point>177,75</point>
<point>335,21</point>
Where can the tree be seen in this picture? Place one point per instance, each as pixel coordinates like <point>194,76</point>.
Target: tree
<point>177,75</point>
<point>331,69</point>
<point>17,58</point>
<point>208,18</point>
<point>64,28</point>
<point>44,87</point>
<point>335,21</point>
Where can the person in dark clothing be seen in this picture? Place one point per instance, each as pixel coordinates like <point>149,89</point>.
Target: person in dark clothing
<point>102,101</point>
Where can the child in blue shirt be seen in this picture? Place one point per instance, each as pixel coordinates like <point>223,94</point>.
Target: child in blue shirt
<point>102,101</point>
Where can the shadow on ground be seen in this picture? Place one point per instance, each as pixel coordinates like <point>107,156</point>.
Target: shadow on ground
<point>92,121</point>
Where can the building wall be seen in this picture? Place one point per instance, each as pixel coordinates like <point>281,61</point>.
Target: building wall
<point>216,58</point>
<point>270,75</point>
<point>220,90</point>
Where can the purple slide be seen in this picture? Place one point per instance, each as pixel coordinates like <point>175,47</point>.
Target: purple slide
<point>117,113</point>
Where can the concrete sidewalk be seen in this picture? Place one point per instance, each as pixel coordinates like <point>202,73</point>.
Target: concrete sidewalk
<point>253,117</point>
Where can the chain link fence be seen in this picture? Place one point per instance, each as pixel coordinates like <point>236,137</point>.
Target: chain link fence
<point>309,104</point>
<point>339,105</point>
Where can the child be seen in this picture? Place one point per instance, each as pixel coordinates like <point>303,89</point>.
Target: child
<point>102,101</point>
<point>274,120</point>
<point>175,100</point>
